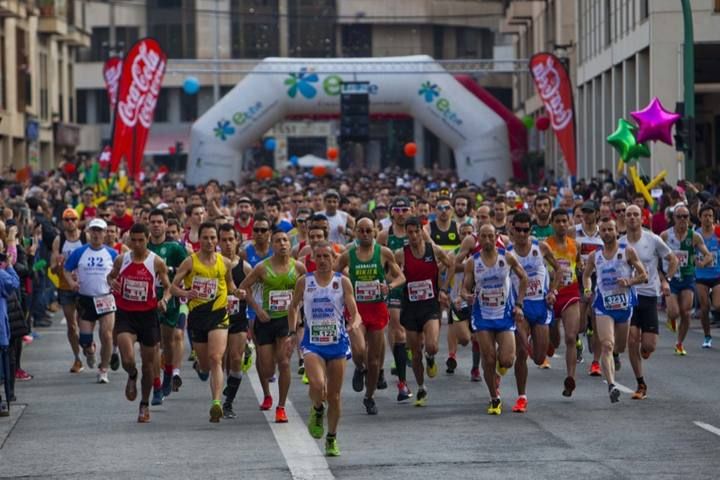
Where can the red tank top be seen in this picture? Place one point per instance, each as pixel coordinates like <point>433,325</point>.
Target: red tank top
<point>194,245</point>
<point>418,271</point>
<point>310,266</point>
<point>246,232</point>
<point>137,284</point>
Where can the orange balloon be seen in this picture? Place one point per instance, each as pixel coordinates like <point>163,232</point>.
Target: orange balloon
<point>410,149</point>
<point>23,175</point>
<point>264,173</point>
<point>332,153</point>
<point>319,171</point>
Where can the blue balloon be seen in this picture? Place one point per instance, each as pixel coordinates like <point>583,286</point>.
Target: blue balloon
<point>191,85</point>
<point>294,161</point>
<point>270,144</point>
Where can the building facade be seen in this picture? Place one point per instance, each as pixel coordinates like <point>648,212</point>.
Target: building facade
<point>38,44</point>
<point>239,32</point>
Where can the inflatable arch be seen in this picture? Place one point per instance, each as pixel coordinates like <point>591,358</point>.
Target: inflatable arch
<point>487,140</point>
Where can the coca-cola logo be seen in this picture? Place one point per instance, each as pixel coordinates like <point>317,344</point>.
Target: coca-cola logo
<point>146,72</point>
<point>548,80</point>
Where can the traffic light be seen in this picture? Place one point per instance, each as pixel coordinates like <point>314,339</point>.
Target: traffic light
<point>355,112</point>
<point>179,148</point>
<point>684,130</point>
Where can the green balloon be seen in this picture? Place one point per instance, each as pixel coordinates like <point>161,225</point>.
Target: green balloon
<point>624,142</point>
<point>528,121</point>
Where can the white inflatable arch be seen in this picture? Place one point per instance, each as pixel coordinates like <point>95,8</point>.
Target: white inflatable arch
<point>416,85</point>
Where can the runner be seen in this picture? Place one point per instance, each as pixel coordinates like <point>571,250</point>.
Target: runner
<point>90,264</point>
<point>708,278</point>
<point>496,308</point>
<point>460,315</point>
<point>341,224</point>
<point>133,281</point>
<point>244,219</point>
<point>325,295</point>
<point>644,322</point>
<point>541,226</point>
<point>424,294</point>
<point>191,237</point>
<point>205,278</point>
<point>614,298</point>
<point>237,310</point>
<point>367,263</point>
<point>70,239</point>
<point>277,276</point>
<point>685,243</point>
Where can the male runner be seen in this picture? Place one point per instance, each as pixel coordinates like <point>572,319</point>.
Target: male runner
<point>341,224</point>
<point>708,278</point>
<point>460,315</point>
<point>191,237</point>
<point>541,227</point>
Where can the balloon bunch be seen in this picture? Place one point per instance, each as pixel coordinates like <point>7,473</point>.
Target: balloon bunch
<point>654,123</point>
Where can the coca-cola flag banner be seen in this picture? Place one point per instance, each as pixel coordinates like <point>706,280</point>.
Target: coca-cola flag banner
<point>142,74</point>
<point>111,74</point>
<point>553,85</point>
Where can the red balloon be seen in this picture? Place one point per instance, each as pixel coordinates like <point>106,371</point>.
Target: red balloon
<point>332,153</point>
<point>69,168</point>
<point>410,149</point>
<point>319,171</point>
<point>542,123</point>
<point>264,173</point>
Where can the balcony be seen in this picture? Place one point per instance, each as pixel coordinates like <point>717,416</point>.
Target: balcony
<point>76,37</point>
<point>53,17</point>
<point>522,11</point>
<point>11,8</point>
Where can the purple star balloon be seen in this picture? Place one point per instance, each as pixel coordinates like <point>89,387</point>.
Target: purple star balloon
<point>654,123</point>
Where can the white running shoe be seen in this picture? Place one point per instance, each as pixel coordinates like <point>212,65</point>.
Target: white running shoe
<point>102,376</point>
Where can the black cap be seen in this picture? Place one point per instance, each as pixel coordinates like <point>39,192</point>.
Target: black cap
<point>589,205</point>
<point>401,202</point>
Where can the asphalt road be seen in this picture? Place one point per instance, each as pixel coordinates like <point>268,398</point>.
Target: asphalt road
<point>67,426</point>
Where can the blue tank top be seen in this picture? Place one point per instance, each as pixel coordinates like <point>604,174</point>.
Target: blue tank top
<point>252,255</point>
<point>713,270</point>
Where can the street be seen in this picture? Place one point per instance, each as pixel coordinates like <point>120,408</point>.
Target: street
<point>67,426</point>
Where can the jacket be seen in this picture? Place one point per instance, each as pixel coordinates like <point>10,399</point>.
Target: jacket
<point>9,284</point>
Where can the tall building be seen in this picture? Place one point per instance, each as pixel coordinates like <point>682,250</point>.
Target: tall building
<point>239,32</point>
<point>38,43</point>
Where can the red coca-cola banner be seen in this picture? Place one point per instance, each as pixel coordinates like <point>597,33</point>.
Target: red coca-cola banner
<point>111,74</point>
<point>553,85</point>
<point>142,74</point>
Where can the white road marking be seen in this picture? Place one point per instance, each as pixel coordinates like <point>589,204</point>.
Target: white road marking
<point>621,387</point>
<point>708,427</point>
<point>301,451</point>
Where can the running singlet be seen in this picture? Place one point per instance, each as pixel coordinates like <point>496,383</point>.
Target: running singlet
<point>650,247</point>
<point>587,243</point>
<point>447,240</point>
<point>494,296</point>
<point>194,245</point>
<point>252,256</point>
<point>421,275</point>
<point>278,290</point>
<point>235,306</point>
<point>394,242</point>
<point>323,308</point>
<point>566,257</point>
<point>66,248</point>
<point>137,284</point>
<point>712,271</point>
<point>684,251</point>
<point>538,277</point>
<point>209,283</point>
<point>610,296</point>
<point>93,267</point>
<point>540,232</point>
<point>366,277</point>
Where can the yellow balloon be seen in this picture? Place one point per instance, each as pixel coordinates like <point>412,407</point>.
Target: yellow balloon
<point>122,183</point>
<point>656,181</point>
<point>640,186</point>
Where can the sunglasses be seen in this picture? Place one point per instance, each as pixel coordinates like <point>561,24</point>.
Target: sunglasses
<point>261,230</point>
<point>620,210</point>
<point>682,217</point>
<point>365,230</point>
<point>300,221</point>
<point>444,208</point>
<point>401,209</point>
<point>522,230</point>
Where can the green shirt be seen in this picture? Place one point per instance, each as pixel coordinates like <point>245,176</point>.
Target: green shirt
<point>540,232</point>
<point>366,276</point>
<point>172,253</point>
<point>278,290</point>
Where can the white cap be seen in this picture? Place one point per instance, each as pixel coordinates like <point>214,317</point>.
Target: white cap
<point>97,223</point>
<point>163,206</point>
<point>511,194</point>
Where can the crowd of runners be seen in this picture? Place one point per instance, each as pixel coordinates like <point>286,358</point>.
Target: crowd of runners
<point>302,275</point>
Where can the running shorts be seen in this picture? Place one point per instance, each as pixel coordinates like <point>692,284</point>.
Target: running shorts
<point>374,315</point>
<point>144,325</point>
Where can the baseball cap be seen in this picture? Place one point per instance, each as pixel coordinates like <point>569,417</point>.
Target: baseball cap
<point>70,213</point>
<point>97,223</point>
<point>163,206</point>
<point>589,205</point>
<point>511,194</point>
<point>401,202</point>
<point>332,193</point>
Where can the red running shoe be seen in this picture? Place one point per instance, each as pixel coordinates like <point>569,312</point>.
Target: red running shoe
<point>520,405</point>
<point>595,370</point>
<point>280,415</point>
<point>267,403</point>
<point>22,376</point>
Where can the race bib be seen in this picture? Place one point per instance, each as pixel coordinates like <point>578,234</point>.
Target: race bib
<point>206,288</point>
<point>135,290</point>
<point>280,300</point>
<point>233,305</point>
<point>104,304</point>
<point>700,257</point>
<point>367,291</point>
<point>420,290</point>
<point>682,256</point>
<point>535,287</point>
<point>492,297</point>
<point>324,333</point>
<point>566,273</point>
<point>615,301</point>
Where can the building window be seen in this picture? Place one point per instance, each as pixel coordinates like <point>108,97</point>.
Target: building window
<point>102,106</point>
<point>254,28</point>
<point>188,107</point>
<point>100,47</point>
<point>438,41</point>
<point>24,80</point>
<point>82,101</point>
<point>44,94</point>
<point>172,24</point>
<point>357,40</point>
<point>2,68</point>
<point>312,28</point>
<point>645,8</point>
<point>162,107</point>
<point>607,23</point>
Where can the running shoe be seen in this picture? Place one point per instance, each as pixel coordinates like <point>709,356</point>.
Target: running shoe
<point>616,360</point>
<point>131,389</point>
<point>280,415</point>
<point>382,383</point>
<point>545,364</point>
<point>550,351</point>
<point>403,392</point>
<point>500,370</point>
<point>305,379</point>
<point>370,407</point>
<point>475,375</point>
<point>421,397</point>
<point>595,369</point>
<point>588,335</point>
<point>579,350</point>
<point>144,414</point>
<point>315,422</point>
<point>451,364</point>
<point>4,409</point>
<point>167,383</point>
<point>272,379</point>
<point>267,403</point>
<point>331,447</point>
<point>157,397</point>
<point>228,411</point>
<point>409,354</point>
<point>432,368</point>
<point>494,407</point>
<point>707,343</point>
<point>358,380</point>
<point>671,325</point>
<point>301,367</point>
<point>176,383</point>
<point>102,376</point>
<point>680,350</point>
<point>90,357</point>
<point>393,368</point>
<point>248,358</point>
<point>568,386</point>
<point>28,339</point>
<point>114,361</point>
<point>22,376</point>
<point>216,412</point>
<point>520,405</point>
<point>644,353</point>
<point>203,376</point>
<point>193,356</point>
<point>614,394</point>
<point>640,393</point>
